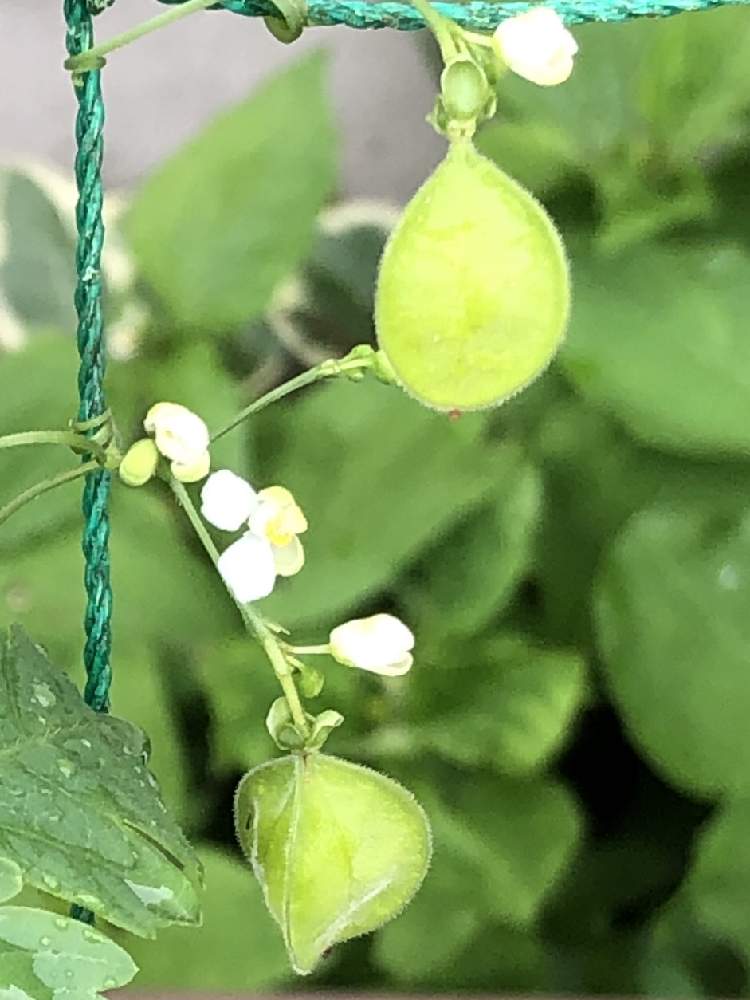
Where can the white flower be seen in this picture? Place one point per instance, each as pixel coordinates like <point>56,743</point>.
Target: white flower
<point>274,520</point>
<point>381,644</point>
<point>227,500</point>
<point>537,46</point>
<point>182,437</point>
<point>248,568</point>
<point>278,518</point>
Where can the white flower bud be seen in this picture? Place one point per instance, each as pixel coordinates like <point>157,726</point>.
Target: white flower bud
<point>381,644</point>
<point>139,463</point>
<point>248,569</point>
<point>180,435</point>
<point>192,472</point>
<point>227,500</point>
<point>537,46</point>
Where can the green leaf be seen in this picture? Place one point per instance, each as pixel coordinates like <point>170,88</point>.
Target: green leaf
<point>37,272</point>
<point>238,947</point>
<point>638,210</point>
<point>694,92</point>
<point>41,586</point>
<point>500,847</point>
<point>718,884</point>
<point>11,879</point>
<point>459,950</point>
<point>37,392</point>
<point>417,946</point>
<point>595,477</point>
<point>338,849</point>
<point>671,89</point>
<point>408,474</point>
<point>488,552</point>
<point>686,956</point>
<point>537,154</point>
<point>79,812</point>
<point>326,308</point>
<point>672,620</point>
<point>514,839</point>
<point>510,707</point>
<point>49,957</point>
<point>254,181</point>
<point>140,695</point>
<point>239,686</point>
<point>658,339</point>
<point>607,64</point>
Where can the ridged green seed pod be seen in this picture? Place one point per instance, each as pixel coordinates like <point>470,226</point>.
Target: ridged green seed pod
<point>338,849</point>
<point>473,294</point>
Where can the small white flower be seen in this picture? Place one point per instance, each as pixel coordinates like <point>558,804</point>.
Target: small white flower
<point>248,568</point>
<point>227,500</point>
<point>274,521</point>
<point>537,46</point>
<point>179,434</point>
<point>381,644</point>
<point>278,516</point>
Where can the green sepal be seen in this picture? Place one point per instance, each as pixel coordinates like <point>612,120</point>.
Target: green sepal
<point>281,728</point>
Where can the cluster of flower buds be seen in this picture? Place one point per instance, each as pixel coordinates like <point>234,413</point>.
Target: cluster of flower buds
<point>176,434</point>
<point>535,45</point>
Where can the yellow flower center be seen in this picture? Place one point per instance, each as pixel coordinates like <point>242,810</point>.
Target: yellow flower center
<point>282,519</point>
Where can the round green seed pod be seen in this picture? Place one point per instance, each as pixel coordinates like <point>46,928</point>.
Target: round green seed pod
<point>473,293</point>
<point>464,89</point>
<point>337,848</point>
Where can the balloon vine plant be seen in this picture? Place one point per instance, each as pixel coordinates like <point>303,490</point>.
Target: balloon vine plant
<point>472,303</point>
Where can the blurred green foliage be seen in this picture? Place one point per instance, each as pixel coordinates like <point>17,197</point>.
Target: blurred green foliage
<point>576,565</point>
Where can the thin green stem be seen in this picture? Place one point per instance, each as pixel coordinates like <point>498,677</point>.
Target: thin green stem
<point>44,487</point>
<point>92,58</point>
<point>326,369</point>
<point>322,650</point>
<point>253,622</point>
<point>78,442</point>
<point>439,26</point>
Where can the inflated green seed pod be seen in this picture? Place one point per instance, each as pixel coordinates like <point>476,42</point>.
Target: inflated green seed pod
<point>464,89</point>
<point>473,294</point>
<point>337,848</point>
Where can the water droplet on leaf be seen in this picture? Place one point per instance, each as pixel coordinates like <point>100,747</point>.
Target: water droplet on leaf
<point>43,695</point>
<point>66,768</point>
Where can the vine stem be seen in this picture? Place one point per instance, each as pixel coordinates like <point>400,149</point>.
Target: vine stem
<point>78,442</point>
<point>326,369</point>
<point>44,487</point>
<point>253,621</point>
<point>439,26</point>
<point>92,58</point>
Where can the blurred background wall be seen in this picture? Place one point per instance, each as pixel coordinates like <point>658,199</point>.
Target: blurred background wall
<point>174,81</point>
